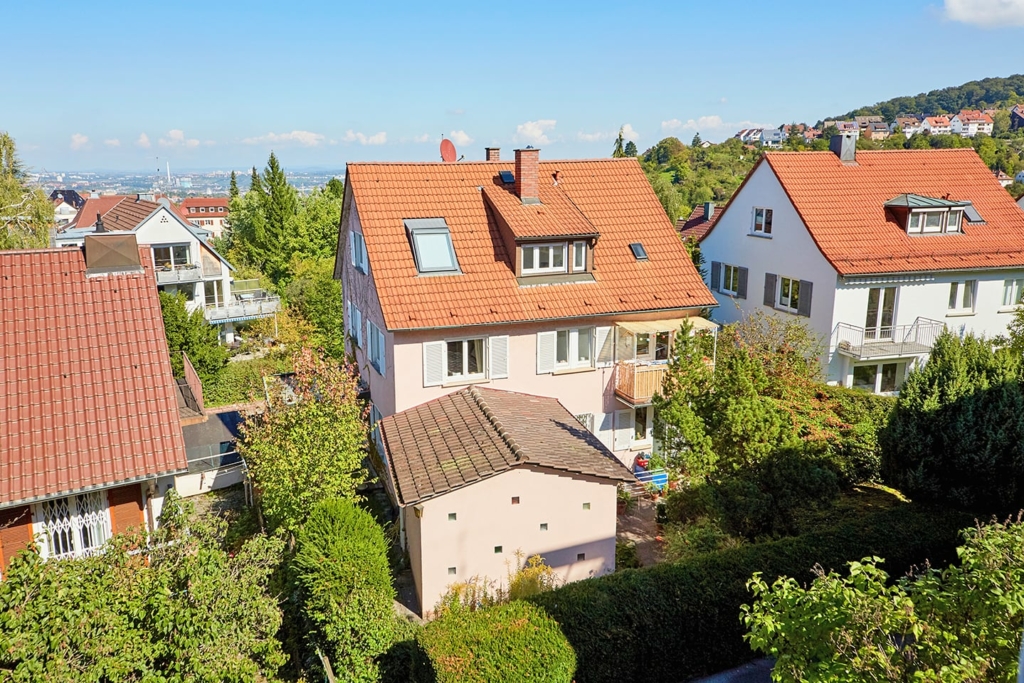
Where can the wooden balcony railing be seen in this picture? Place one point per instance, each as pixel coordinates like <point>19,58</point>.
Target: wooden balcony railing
<point>637,383</point>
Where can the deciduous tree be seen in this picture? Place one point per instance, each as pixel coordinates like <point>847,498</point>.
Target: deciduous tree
<point>189,332</point>
<point>26,215</point>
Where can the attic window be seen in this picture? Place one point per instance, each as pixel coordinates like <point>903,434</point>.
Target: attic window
<point>934,222</point>
<point>432,245</point>
<point>507,177</point>
<point>639,253</point>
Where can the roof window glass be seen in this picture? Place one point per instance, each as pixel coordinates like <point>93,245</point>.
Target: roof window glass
<point>432,245</point>
<point>638,251</point>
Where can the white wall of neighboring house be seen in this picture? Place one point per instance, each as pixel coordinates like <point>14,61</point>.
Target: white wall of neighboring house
<point>579,513</point>
<point>63,213</point>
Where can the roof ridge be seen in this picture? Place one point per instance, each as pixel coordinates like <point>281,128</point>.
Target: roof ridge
<point>478,399</point>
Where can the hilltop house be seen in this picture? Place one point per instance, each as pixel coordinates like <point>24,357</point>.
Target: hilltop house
<point>878,251</point>
<point>480,475</point>
<point>92,434</point>
<point>184,261</point>
<point>772,137</point>
<point>909,125</point>
<point>1017,117</point>
<point>936,125</point>
<point>970,122</point>
<point>699,222</point>
<point>208,213</point>
<point>562,279</point>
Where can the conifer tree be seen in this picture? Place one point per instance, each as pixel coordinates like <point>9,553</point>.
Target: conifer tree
<point>619,151</point>
<point>233,190</point>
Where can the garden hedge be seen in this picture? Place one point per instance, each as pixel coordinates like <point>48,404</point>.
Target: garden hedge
<point>679,621</point>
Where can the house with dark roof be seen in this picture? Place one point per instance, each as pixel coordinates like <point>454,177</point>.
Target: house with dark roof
<point>699,221</point>
<point>877,251</point>
<point>561,278</point>
<point>183,259</point>
<point>481,475</point>
<point>92,435</point>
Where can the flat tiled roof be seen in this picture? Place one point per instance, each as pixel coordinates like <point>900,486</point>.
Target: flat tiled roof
<point>612,195</point>
<point>88,399</point>
<point>467,436</point>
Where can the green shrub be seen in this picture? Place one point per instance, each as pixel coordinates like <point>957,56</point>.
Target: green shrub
<point>677,621</point>
<point>341,569</point>
<point>856,454</point>
<point>242,382</point>
<point>702,535</point>
<point>626,556</point>
<point>513,642</point>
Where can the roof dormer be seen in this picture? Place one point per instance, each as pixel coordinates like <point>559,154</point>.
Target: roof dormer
<point>921,215</point>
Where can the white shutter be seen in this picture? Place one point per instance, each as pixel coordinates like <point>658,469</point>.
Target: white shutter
<point>369,339</point>
<point>623,429</point>
<point>433,363</point>
<point>498,352</point>
<point>605,346</point>
<point>382,357</point>
<point>348,318</point>
<point>352,244</point>
<point>545,352</point>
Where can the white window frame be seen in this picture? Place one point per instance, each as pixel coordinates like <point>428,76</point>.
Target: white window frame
<point>787,303</point>
<point>74,526</point>
<point>359,257</point>
<point>355,325</point>
<point>877,388</point>
<point>1012,291</point>
<point>572,336</point>
<point>767,220</point>
<point>958,294</point>
<point>375,343</point>
<point>553,248</point>
<point>648,440</point>
<point>728,269</point>
<point>464,376</point>
<point>579,257</point>
<point>950,221</point>
<point>171,246</point>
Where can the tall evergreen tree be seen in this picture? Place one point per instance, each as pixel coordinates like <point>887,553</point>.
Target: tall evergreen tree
<point>233,190</point>
<point>619,150</point>
<point>255,183</point>
<point>631,150</point>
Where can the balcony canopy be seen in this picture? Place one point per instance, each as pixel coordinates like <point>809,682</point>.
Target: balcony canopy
<point>673,324</point>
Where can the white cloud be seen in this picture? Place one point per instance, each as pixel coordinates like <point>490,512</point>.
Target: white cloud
<point>363,139</point>
<point>708,126</point>
<point>723,100</point>
<point>455,112</point>
<point>459,137</point>
<point>78,141</point>
<point>535,132</point>
<point>629,133</point>
<point>987,13</point>
<point>176,138</point>
<point>113,142</point>
<point>422,138</point>
<point>595,137</point>
<point>143,141</point>
<point>301,137</point>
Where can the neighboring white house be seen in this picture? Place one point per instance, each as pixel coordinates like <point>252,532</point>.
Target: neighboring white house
<point>908,124</point>
<point>772,138</point>
<point>970,122</point>
<point>848,128</point>
<point>936,125</point>
<point>879,251</point>
<point>185,262</point>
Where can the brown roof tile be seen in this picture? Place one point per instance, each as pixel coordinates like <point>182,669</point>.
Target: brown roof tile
<point>696,226</point>
<point>86,393</point>
<point>612,195</point>
<point>461,438</point>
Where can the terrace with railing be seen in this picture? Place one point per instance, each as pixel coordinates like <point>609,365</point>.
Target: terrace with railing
<point>894,341</point>
<point>247,302</point>
<point>637,383</point>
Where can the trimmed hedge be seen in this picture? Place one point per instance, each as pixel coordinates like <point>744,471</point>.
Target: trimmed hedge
<point>680,621</point>
<point>502,644</point>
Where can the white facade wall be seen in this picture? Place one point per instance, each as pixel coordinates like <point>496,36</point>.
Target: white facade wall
<point>486,518</point>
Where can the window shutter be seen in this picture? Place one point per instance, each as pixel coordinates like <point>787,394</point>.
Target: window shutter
<point>369,339</point>
<point>382,356</point>
<point>804,305</point>
<point>716,276</point>
<point>352,244</point>
<point>769,289</point>
<point>545,352</point>
<point>348,319</point>
<point>623,427</point>
<point>605,346</point>
<point>498,356</point>
<point>433,363</point>
<point>741,289</point>
<point>357,326</point>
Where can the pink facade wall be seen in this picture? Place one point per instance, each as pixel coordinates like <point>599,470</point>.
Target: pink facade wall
<point>486,517</point>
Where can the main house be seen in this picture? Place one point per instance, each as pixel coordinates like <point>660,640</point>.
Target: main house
<point>486,478</point>
<point>877,251</point>
<point>183,259</point>
<point>92,432</point>
<point>562,279</point>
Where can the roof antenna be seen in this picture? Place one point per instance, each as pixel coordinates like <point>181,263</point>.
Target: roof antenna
<point>99,224</point>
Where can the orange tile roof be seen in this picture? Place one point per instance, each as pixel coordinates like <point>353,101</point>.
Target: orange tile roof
<point>128,214</point>
<point>696,226</point>
<point>86,216</point>
<point>555,216</point>
<point>613,195</point>
<point>87,397</point>
<point>842,207</point>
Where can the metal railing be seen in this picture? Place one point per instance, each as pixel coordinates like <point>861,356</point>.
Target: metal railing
<point>206,458</point>
<point>243,305</point>
<point>187,272</point>
<point>639,382</point>
<point>883,342</point>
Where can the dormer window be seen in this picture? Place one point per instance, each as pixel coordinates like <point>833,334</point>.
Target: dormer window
<point>432,247</point>
<point>544,258</point>
<point>931,215</point>
<point>934,222</point>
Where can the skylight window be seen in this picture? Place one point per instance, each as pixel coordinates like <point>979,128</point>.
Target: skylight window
<point>639,253</point>
<point>507,177</point>
<point>432,245</point>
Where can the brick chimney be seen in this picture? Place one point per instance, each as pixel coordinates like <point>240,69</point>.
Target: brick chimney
<point>527,171</point>
<point>492,153</point>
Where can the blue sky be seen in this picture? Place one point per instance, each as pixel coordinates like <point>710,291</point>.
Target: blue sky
<point>217,84</point>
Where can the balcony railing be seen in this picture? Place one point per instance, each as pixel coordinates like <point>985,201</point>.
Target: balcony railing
<point>188,272</point>
<point>895,341</point>
<point>243,306</point>
<point>637,383</point>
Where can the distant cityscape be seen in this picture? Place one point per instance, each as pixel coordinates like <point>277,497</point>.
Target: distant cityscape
<point>175,185</point>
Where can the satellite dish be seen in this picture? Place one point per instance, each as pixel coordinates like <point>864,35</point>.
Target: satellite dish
<point>447,151</point>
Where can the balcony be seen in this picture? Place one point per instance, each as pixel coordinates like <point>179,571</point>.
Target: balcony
<point>637,383</point>
<point>897,341</point>
<point>188,272</point>
<point>244,305</point>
